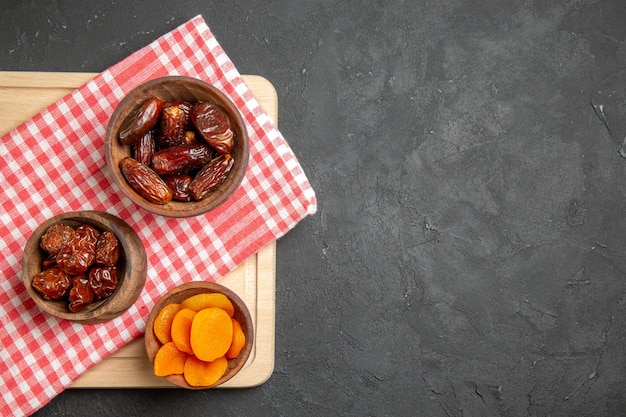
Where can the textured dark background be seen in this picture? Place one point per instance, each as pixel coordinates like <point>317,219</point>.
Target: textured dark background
<point>467,258</point>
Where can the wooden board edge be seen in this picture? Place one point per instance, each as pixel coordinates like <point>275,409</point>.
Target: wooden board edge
<point>266,322</point>
<point>72,80</point>
<point>24,79</point>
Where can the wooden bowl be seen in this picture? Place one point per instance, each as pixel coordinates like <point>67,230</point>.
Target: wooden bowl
<point>131,268</point>
<point>184,291</point>
<point>170,89</point>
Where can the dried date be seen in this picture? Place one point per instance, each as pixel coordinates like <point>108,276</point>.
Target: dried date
<point>144,148</point>
<point>179,184</point>
<point>186,137</point>
<point>190,138</point>
<point>139,122</point>
<point>174,121</point>
<point>145,181</point>
<point>211,176</point>
<point>52,284</point>
<point>213,125</point>
<point>179,159</point>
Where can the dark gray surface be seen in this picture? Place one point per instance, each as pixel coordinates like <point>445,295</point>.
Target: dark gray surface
<point>467,258</point>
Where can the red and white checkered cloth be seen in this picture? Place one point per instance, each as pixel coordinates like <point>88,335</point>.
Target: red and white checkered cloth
<point>55,163</point>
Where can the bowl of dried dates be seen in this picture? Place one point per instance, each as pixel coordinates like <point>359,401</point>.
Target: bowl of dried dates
<point>84,266</point>
<point>177,146</point>
<point>199,335</point>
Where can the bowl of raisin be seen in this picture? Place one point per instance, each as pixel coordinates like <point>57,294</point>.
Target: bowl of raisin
<point>177,146</point>
<point>85,266</point>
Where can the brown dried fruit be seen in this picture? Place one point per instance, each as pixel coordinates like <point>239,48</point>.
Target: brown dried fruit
<point>145,181</point>
<point>174,119</point>
<point>190,138</point>
<point>184,106</point>
<point>179,184</point>
<point>103,281</point>
<point>211,176</point>
<point>83,270</point>
<point>107,249</point>
<point>79,254</point>
<point>57,236</point>
<point>80,294</point>
<point>144,148</point>
<point>139,122</point>
<point>52,284</point>
<point>179,159</point>
<point>213,125</point>
<point>87,232</point>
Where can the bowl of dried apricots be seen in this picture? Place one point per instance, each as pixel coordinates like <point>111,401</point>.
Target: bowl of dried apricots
<point>85,266</point>
<point>177,146</point>
<point>199,335</point>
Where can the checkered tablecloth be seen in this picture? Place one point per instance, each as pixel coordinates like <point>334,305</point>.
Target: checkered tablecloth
<point>54,163</point>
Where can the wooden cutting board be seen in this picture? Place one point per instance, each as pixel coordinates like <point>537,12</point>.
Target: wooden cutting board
<point>24,94</point>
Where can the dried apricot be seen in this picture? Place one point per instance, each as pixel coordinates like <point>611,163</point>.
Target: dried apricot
<point>211,333</point>
<point>181,329</point>
<point>238,342</point>
<point>200,373</point>
<point>201,301</point>
<point>163,322</point>
<point>169,360</point>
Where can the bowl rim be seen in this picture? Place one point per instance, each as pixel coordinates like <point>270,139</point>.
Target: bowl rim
<point>152,344</point>
<point>130,285</point>
<point>177,208</point>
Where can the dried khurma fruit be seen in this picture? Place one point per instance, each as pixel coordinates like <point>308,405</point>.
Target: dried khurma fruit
<point>80,252</point>
<point>56,237</point>
<point>144,148</point>
<point>107,249</point>
<point>181,158</point>
<point>52,284</point>
<point>141,121</point>
<point>81,267</point>
<point>81,294</point>
<point>179,184</point>
<point>214,126</point>
<point>174,122</point>
<point>174,152</point>
<point>102,281</point>
<point>145,181</point>
<point>210,177</point>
